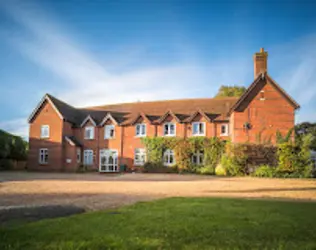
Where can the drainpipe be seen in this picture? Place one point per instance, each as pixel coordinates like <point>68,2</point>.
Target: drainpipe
<point>122,144</point>
<point>98,150</point>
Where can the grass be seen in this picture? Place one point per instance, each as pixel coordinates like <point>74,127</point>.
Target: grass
<point>175,223</point>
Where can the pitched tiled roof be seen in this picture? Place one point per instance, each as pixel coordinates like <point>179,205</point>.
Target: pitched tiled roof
<point>73,141</point>
<point>214,108</point>
<point>126,113</point>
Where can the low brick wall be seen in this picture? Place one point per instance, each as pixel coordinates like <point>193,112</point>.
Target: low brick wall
<point>261,154</point>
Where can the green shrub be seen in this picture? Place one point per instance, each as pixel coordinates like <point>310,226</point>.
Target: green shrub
<point>265,171</point>
<point>220,170</point>
<point>231,166</point>
<point>150,167</point>
<point>234,161</point>
<point>295,159</point>
<point>206,170</point>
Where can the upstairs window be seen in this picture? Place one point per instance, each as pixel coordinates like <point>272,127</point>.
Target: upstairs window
<point>140,129</point>
<point>224,129</point>
<point>45,131</point>
<point>169,129</point>
<point>168,158</point>
<point>198,158</point>
<point>109,131</point>
<point>43,156</point>
<point>139,156</point>
<point>89,133</point>
<point>88,157</point>
<point>198,128</point>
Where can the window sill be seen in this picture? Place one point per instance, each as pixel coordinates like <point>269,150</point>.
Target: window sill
<point>110,138</point>
<point>140,136</point>
<point>224,135</point>
<point>139,164</point>
<point>169,164</point>
<point>169,135</point>
<point>198,135</point>
<point>89,139</point>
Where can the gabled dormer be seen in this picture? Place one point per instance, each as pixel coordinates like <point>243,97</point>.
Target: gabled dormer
<point>110,124</point>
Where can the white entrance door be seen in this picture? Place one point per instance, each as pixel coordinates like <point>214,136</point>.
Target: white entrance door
<point>108,160</point>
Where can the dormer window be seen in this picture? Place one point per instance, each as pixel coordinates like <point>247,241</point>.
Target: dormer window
<point>89,133</point>
<point>109,131</point>
<point>198,128</point>
<point>45,131</point>
<point>169,129</point>
<point>140,130</point>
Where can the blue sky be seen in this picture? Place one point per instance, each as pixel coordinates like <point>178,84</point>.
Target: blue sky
<point>98,52</point>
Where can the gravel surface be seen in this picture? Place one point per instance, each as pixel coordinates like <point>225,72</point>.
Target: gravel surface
<point>94,191</point>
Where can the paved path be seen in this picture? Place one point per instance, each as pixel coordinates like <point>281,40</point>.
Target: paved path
<point>93,191</point>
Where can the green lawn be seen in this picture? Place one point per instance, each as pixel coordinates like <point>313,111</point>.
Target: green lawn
<point>175,223</point>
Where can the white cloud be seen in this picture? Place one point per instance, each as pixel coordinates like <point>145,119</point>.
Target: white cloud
<point>17,127</point>
<point>89,81</point>
<point>297,68</point>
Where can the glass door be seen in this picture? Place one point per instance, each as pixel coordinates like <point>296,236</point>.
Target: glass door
<point>108,160</point>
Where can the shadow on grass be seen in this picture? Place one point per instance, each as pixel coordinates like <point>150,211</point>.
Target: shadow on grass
<point>21,215</point>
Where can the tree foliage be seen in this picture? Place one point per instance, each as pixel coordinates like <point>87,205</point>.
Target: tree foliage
<point>12,147</point>
<point>228,91</point>
<point>184,149</point>
<point>303,129</point>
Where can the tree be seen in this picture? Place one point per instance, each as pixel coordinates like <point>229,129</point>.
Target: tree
<point>227,91</point>
<point>303,129</point>
<point>12,147</point>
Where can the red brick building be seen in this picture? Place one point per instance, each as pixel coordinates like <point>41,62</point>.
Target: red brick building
<point>63,137</point>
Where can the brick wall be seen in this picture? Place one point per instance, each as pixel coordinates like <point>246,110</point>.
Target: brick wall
<point>265,117</point>
<point>47,115</point>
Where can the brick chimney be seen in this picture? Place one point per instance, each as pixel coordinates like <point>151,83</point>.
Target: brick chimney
<point>260,62</point>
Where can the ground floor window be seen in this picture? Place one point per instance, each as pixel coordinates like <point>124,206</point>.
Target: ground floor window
<point>43,156</point>
<point>168,158</point>
<point>108,160</point>
<point>139,156</point>
<point>198,158</point>
<point>88,157</point>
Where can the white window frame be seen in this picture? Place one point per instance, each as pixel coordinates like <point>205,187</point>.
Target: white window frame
<point>199,156</point>
<point>107,129</point>
<point>78,155</point>
<point>86,154</point>
<point>142,129</point>
<point>141,154</point>
<point>167,156</point>
<point>168,129</point>
<point>106,166</point>
<point>41,156</point>
<point>45,131</point>
<point>226,130</point>
<point>199,132</point>
<point>91,128</point>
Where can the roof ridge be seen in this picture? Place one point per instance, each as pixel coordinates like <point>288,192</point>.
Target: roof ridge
<point>168,100</point>
<point>53,97</point>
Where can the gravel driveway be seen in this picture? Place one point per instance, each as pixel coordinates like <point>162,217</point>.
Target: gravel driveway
<point>93,191</point>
